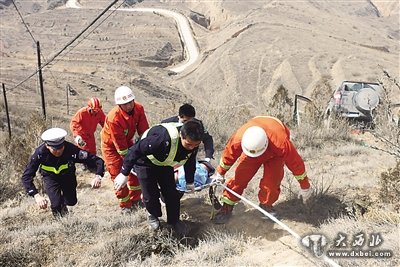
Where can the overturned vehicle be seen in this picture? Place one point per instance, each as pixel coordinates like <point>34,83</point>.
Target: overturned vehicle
<point>355,101</point>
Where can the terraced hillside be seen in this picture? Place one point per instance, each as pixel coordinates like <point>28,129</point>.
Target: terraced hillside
<point>114,51</point>
<point>247,50</point>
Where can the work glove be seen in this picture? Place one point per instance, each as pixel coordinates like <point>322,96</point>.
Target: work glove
<point>79,141</point>
<point>190,188</point>
<point>120,181</point>
<point>306,194</point>
<point>96,182</point>
<point>219,178</point>
<point>207,159</point>
<point>41,201</point>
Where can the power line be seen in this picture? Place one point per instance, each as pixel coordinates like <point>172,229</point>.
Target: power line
<point>68,44</point>
<point>90,32</point>
<point>33,38</point>
<point>26,26</point>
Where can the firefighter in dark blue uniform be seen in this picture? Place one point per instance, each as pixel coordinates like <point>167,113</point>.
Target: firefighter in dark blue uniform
<point>56,159</point>
<point>187,112</point>
<point>153,158</point>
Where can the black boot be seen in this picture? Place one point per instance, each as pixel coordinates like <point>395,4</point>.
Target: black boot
<point>154,222</point>
<point>224,214</point>
<point>270,210</point>
<point>58,213</point>
<point>180,228</point>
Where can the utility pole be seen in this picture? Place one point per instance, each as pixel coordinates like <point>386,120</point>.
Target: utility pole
<point>6,106</point>
<point>41,79</point>
<point>68,89</point>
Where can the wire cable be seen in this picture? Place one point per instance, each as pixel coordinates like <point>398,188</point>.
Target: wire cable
<point>273,218</point>
<point>67,45</point>
<point>90,32</point>
<point>34,40</point>
<point>23,21</point>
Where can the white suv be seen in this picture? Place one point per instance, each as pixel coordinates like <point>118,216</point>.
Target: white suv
<point>355,101</point>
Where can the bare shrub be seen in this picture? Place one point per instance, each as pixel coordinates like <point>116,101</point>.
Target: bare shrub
<point>281,105</point>
<point>390,186</point>
<point>11,257</point>
<point>15,156</point>
<point>386,129</point>
<point>388,133</point>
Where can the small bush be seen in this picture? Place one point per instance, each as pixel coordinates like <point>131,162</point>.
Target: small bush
<point>281,105</point>
<point>15,156</point>
<point>390,186</point>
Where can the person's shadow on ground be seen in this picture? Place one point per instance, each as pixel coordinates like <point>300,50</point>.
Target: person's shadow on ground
<point>316,212</point>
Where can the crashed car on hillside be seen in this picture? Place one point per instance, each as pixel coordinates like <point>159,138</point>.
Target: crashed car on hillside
<point>355,101</point>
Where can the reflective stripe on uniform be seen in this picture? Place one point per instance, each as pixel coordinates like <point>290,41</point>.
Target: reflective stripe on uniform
<point>124,199</point>
<point>300,177</point>
<point>123,152</point>
<point>134,187</point>
<point>53,169</point>
<point>224,166</point>
<point>228,201</point>
<point>174,135</point>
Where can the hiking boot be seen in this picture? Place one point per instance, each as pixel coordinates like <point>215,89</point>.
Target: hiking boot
<point>270,210</point>
<point>224,214</point>
<point>154,222</point>
<point>59,213</point>
<point>126,211</point>
<point>180,228</point>
<point>64,210</point>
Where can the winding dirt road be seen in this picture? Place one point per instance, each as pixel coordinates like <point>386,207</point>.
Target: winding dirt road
<point>185,33</point>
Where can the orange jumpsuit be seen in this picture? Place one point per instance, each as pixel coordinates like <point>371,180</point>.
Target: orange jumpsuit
<point>280,152</point>
<point>84,123</point>
<point>116,137</point>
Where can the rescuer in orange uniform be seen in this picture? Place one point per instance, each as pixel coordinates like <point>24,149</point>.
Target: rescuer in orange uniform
<point>262,141</point>
<point>84,123</point>
<point>121,124</point>
<point>83,126</point>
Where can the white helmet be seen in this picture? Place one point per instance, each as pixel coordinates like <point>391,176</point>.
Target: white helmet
<point>254,141</point>
<point>123,95</point>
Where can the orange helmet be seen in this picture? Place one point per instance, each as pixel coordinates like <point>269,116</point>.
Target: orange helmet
<point>94,104</point>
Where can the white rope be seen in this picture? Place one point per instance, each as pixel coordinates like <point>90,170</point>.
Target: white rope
<point>284,226</point>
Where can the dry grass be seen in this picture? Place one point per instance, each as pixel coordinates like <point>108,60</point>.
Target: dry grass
<point>95,234</point>
<point>352,227</point>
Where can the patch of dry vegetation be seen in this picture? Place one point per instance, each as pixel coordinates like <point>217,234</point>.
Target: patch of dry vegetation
<point>95,234</point>
<point>15,155</point>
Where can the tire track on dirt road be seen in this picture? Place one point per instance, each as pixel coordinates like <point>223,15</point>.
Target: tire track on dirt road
<point>189,44</point>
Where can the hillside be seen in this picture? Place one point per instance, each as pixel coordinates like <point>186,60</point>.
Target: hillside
<point>248,50</point>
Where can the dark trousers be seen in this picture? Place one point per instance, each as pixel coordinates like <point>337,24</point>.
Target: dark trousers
<point>61,191</point>
<point>153,180</point>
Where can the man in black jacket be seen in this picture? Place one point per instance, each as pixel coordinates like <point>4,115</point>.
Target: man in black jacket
<point>153,158</point>
<point>56,160</point>
<point>187,112</point>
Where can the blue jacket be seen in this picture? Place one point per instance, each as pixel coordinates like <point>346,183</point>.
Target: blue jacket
<point>201,177</point>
